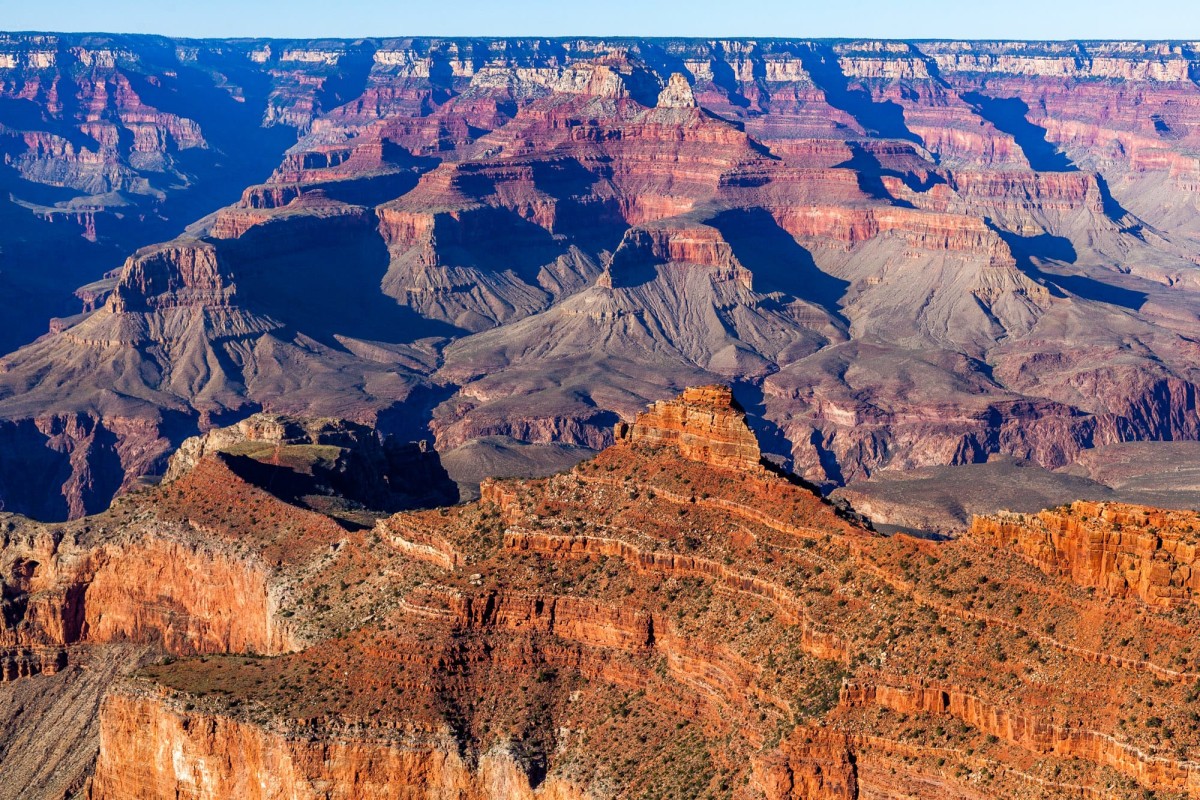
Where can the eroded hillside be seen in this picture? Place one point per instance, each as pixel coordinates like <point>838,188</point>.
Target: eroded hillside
<point>904,255</point>
<point>671,618</point>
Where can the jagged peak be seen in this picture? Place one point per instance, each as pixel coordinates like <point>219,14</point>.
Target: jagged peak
<point>705,423</point>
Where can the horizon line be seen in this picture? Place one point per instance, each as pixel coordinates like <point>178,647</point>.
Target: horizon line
<point>595,36</point>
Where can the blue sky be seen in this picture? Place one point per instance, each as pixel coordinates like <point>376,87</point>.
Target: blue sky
<point>1024,19</point>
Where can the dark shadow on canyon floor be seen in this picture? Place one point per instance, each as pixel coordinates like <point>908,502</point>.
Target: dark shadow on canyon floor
<point>777,261</point>
<point>1009,115</point>
<point>1030,251</point>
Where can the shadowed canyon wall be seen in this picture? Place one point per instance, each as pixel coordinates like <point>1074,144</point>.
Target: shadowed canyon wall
<point>902,254</point>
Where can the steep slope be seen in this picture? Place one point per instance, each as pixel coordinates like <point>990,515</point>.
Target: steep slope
<point>672,615</point>
<point>201,329</point>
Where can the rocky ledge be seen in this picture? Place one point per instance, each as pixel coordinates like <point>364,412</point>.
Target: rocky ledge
<point>667,615</point>
<point>307,459</point>
<point>1126,550</point>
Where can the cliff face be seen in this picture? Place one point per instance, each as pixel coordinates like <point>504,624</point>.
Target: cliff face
<point>906,254</point>
<point>157,752</point>
<point>669,615</point>
<point>1125,550</point>
<point>176,576</point>
<point>705,424</point>
<point>68,465</point>
<point>84,604</point>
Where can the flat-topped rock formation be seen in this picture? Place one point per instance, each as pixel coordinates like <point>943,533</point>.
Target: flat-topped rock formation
<point>315,460</point>
<point>704,424</point>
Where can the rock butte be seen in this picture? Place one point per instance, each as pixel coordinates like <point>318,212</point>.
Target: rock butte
<point>704,424</point>
<point>667,617</point>
<point>903,254</point>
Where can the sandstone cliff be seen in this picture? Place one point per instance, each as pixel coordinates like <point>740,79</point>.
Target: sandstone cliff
<point>669,615</point>
<point>1125,550</point>
<point>703,424</point>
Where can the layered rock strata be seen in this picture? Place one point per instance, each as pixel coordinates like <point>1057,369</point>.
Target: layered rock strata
<point>1125,550</point>
<point>703,424</point>
<point>904,254</point>
<point>652,618</point>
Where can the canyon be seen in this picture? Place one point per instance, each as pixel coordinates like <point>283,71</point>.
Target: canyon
<point>673,617</point>
<point>598,418</point>
<point>902,255</point>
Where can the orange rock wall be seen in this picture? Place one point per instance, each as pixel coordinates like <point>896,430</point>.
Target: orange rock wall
<point>1030,733</point>
<point>703,427</point>
<point>1126,550</point>
<point>190,599</point>
<point>150,750</point>
<point>196,601</point>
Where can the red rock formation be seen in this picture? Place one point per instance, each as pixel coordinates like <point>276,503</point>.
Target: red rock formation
<point>74,464</point>
<point>704,424</point>
<point>129,140</point>
<point>1032,734</point>
<point>182,273</point>
<point>155,752</point>
<point>669,614</point>
<point>154,581</point>
<point>811,763</point>
<point>1126,550</point>
<point>25,662</point>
